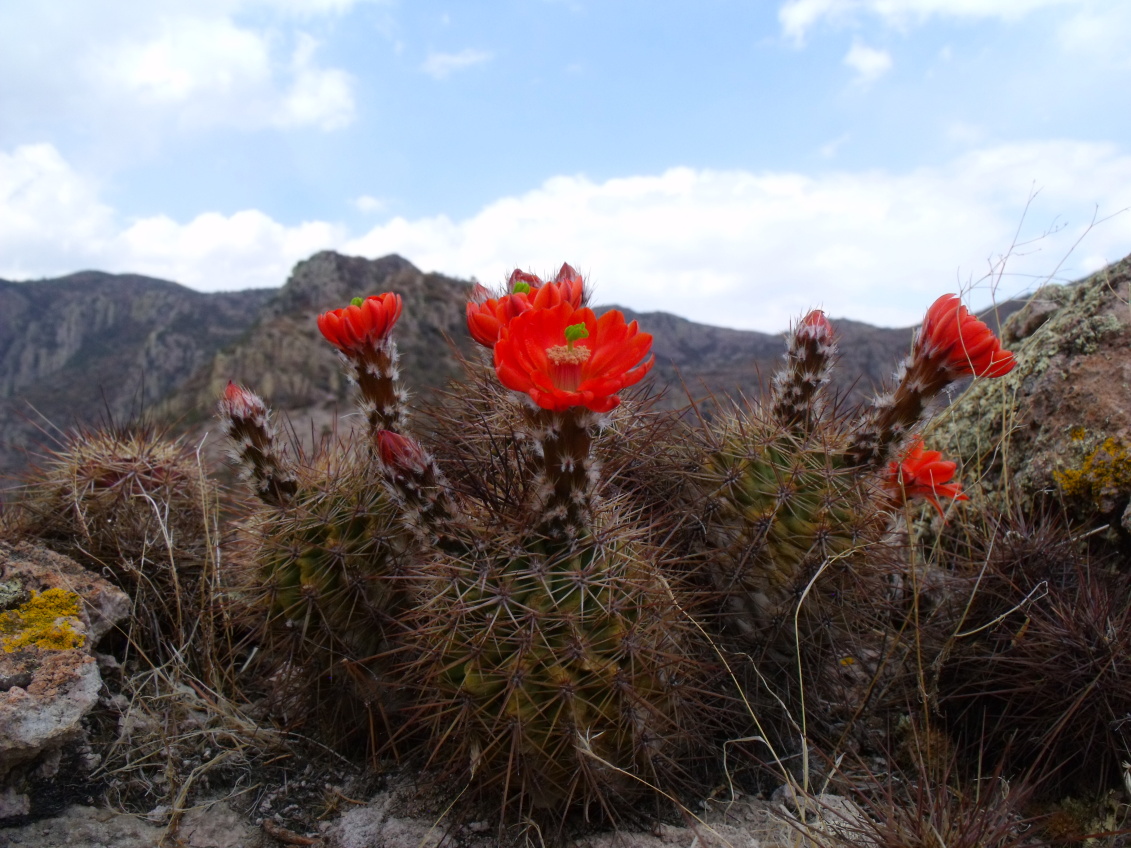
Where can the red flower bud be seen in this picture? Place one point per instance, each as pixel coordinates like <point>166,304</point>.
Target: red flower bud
<point>401,454</point>
<point>815,326</point>
<point>486,316</point>
<point>239,402</point>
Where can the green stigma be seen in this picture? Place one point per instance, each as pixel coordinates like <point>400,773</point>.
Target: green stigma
<point>521,288</point>
<point>357,301</point>
<point>574,332</point>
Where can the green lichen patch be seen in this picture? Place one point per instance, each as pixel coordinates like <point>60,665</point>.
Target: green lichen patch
<point>12,593</point>
<point>46,621</point>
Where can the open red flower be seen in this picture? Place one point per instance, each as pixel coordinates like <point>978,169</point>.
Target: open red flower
<point>363,325</point>
<point>960,343</point>
<point>564,357</point>
<point>487,315</point>
<point>923,474</point>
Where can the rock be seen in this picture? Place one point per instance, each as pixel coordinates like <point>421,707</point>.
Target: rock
<point>37,569</point>
<point>1058,427</point>
<point>210,826</point>
<point>55,612</point>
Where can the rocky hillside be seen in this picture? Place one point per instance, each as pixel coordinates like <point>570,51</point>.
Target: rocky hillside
<point>92,346</point>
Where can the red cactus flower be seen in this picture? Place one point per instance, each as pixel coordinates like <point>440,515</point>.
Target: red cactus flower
<point>923,473</point>
<point>564,357</point>
<point>961,344</point>
<point>239,402</point>
<point>363,325</point>
<point>487,315</point>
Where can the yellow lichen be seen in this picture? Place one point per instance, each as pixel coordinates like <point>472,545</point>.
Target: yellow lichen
<point>45,622</point>
<point>1105,471</point>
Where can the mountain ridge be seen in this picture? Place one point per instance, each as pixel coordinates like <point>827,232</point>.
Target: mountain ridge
<point>92,346</point>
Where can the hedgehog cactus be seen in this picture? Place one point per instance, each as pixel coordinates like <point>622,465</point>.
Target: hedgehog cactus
<point>555,656</point>
<point>793,492</point>
<point>135,505</point>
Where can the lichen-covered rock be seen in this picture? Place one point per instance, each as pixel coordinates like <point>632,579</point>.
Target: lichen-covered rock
<point>52,613</point>
<point>1058,428</point>
<point>27,568</point>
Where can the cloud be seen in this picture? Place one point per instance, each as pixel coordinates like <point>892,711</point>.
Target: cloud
<point>757,249</point>
<point>128,66</point>
<point>797,17</point>
<point>869,63</point>
<point>51,219</point>
<point>733,248</point>
<point>441,65</point>
<point>52,222</point>
<point>366,203</point>
<point>213,251</point>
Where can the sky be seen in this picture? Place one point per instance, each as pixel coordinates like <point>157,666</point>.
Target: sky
<point>735,162</point>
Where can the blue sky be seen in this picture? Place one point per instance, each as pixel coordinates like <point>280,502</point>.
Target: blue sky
<point>732,162</point>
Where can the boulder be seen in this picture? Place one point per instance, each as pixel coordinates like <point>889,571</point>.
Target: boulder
<point>1055,433</point>
<point>52,613</point>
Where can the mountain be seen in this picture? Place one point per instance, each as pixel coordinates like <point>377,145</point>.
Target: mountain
<point>92,346</point>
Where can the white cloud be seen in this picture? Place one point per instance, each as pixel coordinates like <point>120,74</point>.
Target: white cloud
<point>441,65</point>
<point>869,63</point>
<point>52,222</point>
<point>755,250</point>
<point>318,96</point>
<point>120,65</point>
<point>732,248</point>
<point>51,219</point>
<point>797,17</point>
<point>213,251</point>
<point>368,204</point>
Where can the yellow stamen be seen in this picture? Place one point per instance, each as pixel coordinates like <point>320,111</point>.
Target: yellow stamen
<point>568,354</point>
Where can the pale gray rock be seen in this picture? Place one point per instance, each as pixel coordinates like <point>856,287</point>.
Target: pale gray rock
<point>46,692</point>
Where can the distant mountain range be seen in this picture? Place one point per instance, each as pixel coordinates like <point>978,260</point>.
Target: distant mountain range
<point>94,347</point>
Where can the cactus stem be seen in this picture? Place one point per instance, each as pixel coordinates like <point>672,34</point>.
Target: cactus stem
<point>248,423</point>
<point>564,479</point>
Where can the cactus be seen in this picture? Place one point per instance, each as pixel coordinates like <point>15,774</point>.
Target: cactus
<point>320,580</point>
<point>785,506</point>
<point>558,666</point>
<point>135,505</point>
<point>555,679</point>
<point>532,568</point>
<point>795,493</point>
<point>318,587</point>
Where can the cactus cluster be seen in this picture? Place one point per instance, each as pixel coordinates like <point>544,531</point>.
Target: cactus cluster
<point>551,584</point>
